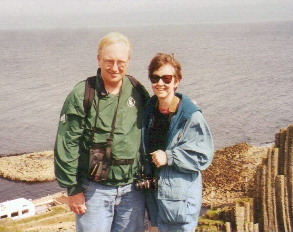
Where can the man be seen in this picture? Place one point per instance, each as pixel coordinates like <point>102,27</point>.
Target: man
<point>109,203</point>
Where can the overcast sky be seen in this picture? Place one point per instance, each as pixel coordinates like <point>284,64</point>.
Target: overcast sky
<point>32,14</point>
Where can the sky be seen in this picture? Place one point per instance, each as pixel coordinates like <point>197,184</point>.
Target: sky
<point>46,14</point>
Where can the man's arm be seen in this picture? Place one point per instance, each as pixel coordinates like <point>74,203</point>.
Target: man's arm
<point>66,152</point>
<point>66,155</point>
<point>69,135</point>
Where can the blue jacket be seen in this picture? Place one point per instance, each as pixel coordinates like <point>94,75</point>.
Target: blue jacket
<point>189,150</point>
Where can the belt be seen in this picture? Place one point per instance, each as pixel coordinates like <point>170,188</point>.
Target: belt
<point>121,161</point>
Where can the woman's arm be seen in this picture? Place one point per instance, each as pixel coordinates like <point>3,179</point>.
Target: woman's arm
<point>192,149</point>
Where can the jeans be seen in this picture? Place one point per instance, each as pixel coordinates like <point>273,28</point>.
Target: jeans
<point>111,208</point>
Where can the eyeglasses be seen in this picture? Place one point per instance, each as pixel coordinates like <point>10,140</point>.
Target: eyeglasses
<point>167,79</point>
<point>110,63</point>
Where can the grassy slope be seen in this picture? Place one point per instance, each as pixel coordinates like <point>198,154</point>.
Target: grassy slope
<point>58,218</point>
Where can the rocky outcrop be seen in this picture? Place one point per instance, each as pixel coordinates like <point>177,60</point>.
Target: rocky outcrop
<point>231,174</point>
<point>32,167</point>
<point>274,185</point>
<point>268,202</point>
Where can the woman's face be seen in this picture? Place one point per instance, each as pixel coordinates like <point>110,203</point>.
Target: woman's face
<point>161,89</point>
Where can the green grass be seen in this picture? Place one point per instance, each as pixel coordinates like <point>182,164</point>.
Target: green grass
<point>212,221</point>
<point>56,216</point>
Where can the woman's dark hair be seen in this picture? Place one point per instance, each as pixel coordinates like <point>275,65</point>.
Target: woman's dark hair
<point>162,59</point>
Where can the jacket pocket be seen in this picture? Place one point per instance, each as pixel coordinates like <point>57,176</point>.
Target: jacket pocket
<point>178,211</point>
<point>171,192</point>
<point>174,185</point>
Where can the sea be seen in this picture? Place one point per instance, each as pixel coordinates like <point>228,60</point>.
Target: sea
<point>239,74</point>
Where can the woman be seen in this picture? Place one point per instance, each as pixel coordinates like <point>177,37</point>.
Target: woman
<point>177,145</point>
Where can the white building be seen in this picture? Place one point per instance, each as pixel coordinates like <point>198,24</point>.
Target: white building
<point>17,209</point>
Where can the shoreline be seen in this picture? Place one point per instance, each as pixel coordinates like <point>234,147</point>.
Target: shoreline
<point>220,186</point>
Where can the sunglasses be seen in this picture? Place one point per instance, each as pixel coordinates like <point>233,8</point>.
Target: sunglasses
<point>167,79</point>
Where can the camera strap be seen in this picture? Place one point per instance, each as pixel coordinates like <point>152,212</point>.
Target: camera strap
<point>110,139</point>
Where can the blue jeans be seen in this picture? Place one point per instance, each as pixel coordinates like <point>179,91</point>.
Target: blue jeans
<point>111,208</point>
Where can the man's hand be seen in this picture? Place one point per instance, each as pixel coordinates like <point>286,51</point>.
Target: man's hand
<point>76,203</point>
<point>159,158</point>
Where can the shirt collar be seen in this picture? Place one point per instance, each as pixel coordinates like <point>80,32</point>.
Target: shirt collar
<point>174,104</point>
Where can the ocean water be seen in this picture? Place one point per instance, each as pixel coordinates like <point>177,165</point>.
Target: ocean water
<point>240,75</point>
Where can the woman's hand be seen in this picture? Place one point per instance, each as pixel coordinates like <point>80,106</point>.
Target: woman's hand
<point>159,158</point>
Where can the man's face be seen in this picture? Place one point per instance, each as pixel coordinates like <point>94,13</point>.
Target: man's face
<point>113,60</point>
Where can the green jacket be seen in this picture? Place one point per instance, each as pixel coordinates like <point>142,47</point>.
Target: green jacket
<point>73,140</point>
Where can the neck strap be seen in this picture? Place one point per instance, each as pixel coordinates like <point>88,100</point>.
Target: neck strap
<point>110,138</point>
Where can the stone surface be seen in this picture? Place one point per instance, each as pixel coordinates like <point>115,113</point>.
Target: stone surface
<point>231,174</point>
<point>32,167</point>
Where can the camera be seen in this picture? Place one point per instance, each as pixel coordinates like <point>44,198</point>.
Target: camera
<point>99,164</point>
<point>146,183</point>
